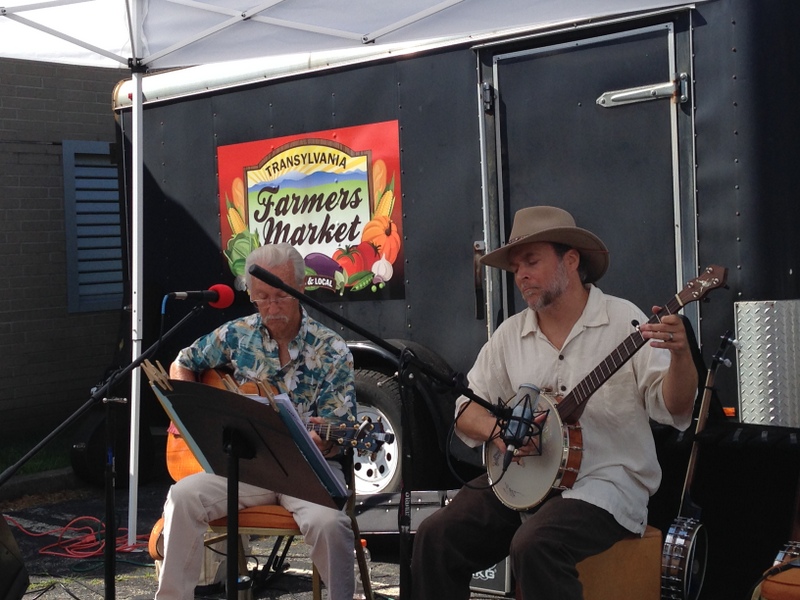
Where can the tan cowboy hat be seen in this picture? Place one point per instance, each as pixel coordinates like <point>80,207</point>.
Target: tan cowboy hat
<point>551,224</point>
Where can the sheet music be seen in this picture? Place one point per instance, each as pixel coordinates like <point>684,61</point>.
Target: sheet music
<point>189,405</point>
<point>289,415</point>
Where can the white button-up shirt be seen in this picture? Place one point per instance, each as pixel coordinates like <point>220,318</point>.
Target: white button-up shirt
<point>619,469</point>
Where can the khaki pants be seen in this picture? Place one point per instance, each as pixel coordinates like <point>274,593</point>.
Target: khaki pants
<point>195,500</point>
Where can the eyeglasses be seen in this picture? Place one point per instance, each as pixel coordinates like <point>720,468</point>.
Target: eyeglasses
<point>280,301</point>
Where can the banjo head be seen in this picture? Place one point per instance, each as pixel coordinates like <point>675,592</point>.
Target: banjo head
<point>527,483</point>
<point>683,560</point>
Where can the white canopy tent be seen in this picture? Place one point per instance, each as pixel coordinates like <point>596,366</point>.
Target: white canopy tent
<point>146,35</point>
<point>177,33</point>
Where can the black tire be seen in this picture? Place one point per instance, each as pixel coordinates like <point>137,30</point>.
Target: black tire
<point>378,397</point>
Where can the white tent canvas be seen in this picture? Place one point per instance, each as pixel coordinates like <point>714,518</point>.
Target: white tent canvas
<point>177,33</point>
<point>147,35</point>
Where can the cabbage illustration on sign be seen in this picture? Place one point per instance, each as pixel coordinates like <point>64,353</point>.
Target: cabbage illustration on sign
<point>334,195</point>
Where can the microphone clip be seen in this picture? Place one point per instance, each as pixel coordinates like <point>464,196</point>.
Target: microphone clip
<point>523,424</point>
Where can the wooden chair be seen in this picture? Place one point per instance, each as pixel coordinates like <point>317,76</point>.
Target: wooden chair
<point>629,570</point>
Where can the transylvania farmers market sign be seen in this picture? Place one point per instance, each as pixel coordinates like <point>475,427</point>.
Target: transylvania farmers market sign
<point>334,195</point>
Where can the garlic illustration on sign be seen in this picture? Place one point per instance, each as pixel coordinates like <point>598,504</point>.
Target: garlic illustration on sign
<point>382,270</point>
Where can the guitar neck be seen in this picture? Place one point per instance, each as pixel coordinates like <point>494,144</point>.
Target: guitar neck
<point>573,404</point>
<point>333,432</point>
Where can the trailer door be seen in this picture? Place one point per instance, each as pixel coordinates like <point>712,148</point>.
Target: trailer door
<point>600,126</point>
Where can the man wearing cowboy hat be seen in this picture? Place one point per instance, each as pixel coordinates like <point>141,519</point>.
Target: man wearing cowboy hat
<point>568,328</point>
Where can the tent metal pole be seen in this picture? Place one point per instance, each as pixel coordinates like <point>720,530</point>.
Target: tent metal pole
<point>137,255</point>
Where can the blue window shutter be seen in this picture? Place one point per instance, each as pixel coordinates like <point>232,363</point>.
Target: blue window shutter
<point>93,227</point>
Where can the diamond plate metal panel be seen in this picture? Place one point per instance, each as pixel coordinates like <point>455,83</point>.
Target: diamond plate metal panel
<point>767,362</point>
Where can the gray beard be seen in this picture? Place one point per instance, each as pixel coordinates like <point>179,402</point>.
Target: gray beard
<point>555,290</point>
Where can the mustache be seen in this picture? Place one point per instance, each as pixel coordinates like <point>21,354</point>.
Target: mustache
<point>276,318</point>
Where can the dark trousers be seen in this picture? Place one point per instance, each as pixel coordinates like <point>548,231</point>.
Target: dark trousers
<point>476,531</point>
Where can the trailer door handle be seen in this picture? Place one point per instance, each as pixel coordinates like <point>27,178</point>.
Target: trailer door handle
<point>478,250</point>
<point>677,89</point>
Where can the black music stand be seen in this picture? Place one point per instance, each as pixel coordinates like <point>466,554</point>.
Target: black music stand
<point>408,367</point>
<point>223,427</point>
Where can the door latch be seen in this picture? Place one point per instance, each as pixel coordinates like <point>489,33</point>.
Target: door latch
<point>677,89</point>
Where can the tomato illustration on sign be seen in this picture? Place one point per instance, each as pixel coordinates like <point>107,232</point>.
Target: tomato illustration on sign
<point>368,263</point>
<point>350,259</point>
<point>369,254</point>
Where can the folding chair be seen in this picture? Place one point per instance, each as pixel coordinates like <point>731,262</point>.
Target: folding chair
<point>276,521</point>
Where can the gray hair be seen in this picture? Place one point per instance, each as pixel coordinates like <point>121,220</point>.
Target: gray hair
<point>275,255</point>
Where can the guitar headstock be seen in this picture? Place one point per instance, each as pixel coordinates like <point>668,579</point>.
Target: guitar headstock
<point>370,436</point>
<point>711,278</point>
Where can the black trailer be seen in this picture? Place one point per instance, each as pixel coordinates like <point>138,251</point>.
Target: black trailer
<point>670,134</point>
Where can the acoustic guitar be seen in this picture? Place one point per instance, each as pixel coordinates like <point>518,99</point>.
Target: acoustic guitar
<point>683,558</point>
<point>527,483</point>
<point>364,437</point>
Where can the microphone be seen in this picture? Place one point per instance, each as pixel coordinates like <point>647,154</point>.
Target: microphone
<point>518,429</point>
<point>217,296</point>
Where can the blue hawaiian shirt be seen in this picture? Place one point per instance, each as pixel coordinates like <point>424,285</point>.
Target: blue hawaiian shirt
<point>318,377</point>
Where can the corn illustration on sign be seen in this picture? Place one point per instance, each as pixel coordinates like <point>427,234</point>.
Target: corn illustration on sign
<point>333,194</point>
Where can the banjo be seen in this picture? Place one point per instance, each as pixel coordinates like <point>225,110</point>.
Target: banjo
<point>527,483</point>
<point>683,558</point>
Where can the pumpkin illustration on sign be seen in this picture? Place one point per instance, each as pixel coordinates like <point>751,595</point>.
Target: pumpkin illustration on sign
<point>382,232</point>
<point>367,265</point>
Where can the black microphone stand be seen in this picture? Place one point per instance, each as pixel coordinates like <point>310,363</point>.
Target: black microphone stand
<point>409,367</point>
<point>98,394</point>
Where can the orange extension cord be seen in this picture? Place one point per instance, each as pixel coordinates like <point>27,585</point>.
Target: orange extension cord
<point>83,537</point>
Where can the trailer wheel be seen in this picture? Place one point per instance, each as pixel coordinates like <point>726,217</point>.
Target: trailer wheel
<point>378,397</point>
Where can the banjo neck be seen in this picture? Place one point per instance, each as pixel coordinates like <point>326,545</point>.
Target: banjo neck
<point>558,464</point>
<point>573,404</point>
<point>687,507</point>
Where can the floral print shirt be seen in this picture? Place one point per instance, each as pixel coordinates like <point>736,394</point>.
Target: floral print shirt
<point>318,377</point>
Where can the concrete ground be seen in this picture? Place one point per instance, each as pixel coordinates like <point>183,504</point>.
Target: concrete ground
<point>63,555</point>
<point>55,530</point>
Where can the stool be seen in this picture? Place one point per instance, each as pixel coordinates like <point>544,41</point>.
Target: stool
<point>629,570</point>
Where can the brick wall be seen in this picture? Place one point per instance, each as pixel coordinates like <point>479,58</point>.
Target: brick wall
<point>50,358</point>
